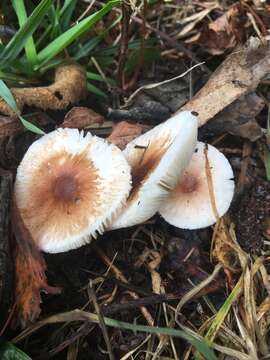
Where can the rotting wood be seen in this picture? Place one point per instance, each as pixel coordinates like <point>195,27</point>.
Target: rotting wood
<point>6,267</point>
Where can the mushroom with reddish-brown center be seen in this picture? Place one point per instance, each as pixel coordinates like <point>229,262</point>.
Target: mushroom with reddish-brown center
<point>156,159</point>
<point>204,190</point>
<point>69,186</point>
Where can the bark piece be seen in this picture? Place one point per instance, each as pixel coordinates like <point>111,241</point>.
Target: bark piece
<point>238,75</point>
<point>68,88</point>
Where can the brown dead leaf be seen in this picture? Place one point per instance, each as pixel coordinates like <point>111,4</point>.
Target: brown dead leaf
<point>239,118</point>
<point>30,276</point>
<point>125,132</point>
<point>238,75</point>
<point>68,88</point>
<point>224,33</point>
<point>81,118</point>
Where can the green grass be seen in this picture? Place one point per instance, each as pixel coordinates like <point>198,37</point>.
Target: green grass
<point>78,315</point>
<point>6,94</point>
<point>49,35</point>
<point>10,352</point>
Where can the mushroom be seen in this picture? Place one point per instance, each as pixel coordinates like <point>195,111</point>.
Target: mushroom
<point>190,205</point>
<point>157,159</point>
<point>69,187</point>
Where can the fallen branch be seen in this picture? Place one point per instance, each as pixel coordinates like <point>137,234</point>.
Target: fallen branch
<point>238,75</point>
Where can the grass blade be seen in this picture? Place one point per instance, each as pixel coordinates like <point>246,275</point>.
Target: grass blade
<point>80,315</point>
<point>93,89</point>
<point>221,314</point>
<point>30,49</point>
<point>65,39</point>
<point>66,13</point>
<point>17,43</point>
<point>6,94</point>
<point>223,311</point>
<point>9,352</point>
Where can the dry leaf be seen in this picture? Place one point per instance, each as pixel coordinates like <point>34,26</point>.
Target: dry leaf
<point>81,118</point>
<point>30,276</point>
<point>238,75</point>
<point>68,88</point>
<point>224,33</point>
<point>125,132</point>
<point>192,21</point>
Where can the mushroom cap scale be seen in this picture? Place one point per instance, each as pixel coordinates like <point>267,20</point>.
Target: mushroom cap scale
<point>69,187</point>
<point>189,204</point>
<point>156,159</point>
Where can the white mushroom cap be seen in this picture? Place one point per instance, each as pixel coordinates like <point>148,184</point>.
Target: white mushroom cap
<point>69,187</point>
<point>189,205</point>
<point>157,159</point>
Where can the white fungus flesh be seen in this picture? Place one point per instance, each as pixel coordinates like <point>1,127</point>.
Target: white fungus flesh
<point>157,158</point>
<point>69,187</point>
<point>189,205</point>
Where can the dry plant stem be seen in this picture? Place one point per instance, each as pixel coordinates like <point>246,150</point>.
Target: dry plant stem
<point>238,75</point>
<point>256,16</point>
<point>68,88</point>
<point>119,275</point>
<point>140,63</point>
<point>101,320</point>
<point>190,295</point>
<point>123,43</point>
<point>84,330</point>
<point>210,183</point>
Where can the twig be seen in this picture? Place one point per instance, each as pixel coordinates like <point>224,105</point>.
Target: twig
<point>101,320</point>
<point>210,183</point>
<point>119,275</point>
